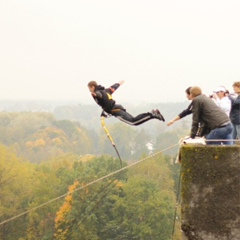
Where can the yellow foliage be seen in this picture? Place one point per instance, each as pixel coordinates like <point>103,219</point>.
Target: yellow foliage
<point>40,143</point>
<point>119,185</point>
<point>63,211</point>
<point>87,158</point>
<point>15,181</point>
<point>57,141</point>
<point>29,144</point>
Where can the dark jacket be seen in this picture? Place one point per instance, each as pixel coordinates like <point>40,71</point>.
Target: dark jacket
<point>235,110</point>
<point>104,97</point>
<point>186,112</point>
<point>208,114</point>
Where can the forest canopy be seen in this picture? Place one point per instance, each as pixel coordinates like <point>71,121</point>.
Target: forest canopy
<point>43,156</point>
<point>135,204</point>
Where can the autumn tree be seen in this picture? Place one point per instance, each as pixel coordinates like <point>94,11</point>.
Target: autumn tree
<point>61,217</point>
<point>15,187</point>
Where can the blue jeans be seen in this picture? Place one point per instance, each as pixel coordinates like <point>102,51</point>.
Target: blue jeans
<point>236,131</point>
<point>221,133</point>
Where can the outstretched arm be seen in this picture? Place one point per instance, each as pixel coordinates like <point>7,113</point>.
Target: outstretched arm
<point>173,121</point>
<point>114,87</point>
<point>183,114</point>
<point>121,82</point>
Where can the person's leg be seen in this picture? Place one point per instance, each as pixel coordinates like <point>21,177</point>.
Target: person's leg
<point>234,134</point>
<point>237,131</point>
<point>211,136</point>
<point>228,135</point>
<point>120,113</point>
<point>219,134</point>
<point>129,119</point>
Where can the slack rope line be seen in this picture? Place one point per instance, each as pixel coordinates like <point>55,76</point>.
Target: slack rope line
<point>110,138</point>
<point>89,184</point>
<point>96,181</point>
<point>177,203</point>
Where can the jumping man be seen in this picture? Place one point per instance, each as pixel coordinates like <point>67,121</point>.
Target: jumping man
<point>103,97</point>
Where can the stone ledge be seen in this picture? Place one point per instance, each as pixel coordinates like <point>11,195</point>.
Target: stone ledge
<point>211,192</point>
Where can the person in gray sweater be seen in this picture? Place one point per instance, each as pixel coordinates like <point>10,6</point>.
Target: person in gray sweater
<point>235,111</point>
<point>214,122</point>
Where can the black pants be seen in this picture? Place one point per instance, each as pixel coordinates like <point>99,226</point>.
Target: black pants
<point>119,112</point>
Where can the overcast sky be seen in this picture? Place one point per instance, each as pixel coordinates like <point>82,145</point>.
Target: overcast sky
<point>50,49</point>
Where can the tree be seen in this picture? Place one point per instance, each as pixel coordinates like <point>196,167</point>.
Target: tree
<point>15,187</point>
<point>137,206</point>
<point>60,220</point>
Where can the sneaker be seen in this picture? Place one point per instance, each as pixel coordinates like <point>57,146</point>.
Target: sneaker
<point>157,114</point>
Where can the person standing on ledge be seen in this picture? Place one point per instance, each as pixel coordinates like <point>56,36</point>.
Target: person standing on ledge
<point>103,97</point>
<point>223,101</point>
<point>185,112</point>
<point>216,124</point>
<point>235,111</point>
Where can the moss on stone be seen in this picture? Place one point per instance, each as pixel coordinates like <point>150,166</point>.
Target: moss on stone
<point>211,192</point>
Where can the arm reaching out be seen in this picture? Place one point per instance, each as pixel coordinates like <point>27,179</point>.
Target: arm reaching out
<point>114,87</point>
<point>183,114</point>
<point>173,121</point>
<point>121,82</point>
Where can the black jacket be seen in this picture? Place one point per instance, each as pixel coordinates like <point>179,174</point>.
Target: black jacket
<point>104,97</point>
<point>208,114</point>
<point>235,110</point>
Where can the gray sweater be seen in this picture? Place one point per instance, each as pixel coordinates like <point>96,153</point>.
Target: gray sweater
<point>208,114</point>
<point>235,111</point>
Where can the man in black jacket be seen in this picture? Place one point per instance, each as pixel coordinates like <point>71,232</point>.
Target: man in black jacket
<point>216,124</point>
<point>103,97</point>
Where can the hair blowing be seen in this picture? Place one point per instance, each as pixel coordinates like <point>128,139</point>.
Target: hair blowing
<point>92,84</point>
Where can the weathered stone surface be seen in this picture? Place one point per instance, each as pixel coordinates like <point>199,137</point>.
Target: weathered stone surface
<point>211,192</point>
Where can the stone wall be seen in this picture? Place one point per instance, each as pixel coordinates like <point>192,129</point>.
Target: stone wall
<point>210,192</point>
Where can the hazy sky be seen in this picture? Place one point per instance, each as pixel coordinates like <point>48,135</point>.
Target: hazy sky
<point>50,49</point>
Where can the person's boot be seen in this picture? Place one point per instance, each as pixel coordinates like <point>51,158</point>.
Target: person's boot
<point>157,114</point>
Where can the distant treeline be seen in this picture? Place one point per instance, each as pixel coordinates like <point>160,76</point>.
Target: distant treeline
<point>39,136</point>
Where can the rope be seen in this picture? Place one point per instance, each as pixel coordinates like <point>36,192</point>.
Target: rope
<point>102,178</point>
<point>177,202</point>
<point>88,184</point>
<point>110,138</point>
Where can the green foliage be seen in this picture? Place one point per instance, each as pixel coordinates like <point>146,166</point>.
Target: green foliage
<point>134,204</point>
<point>138,205</point>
